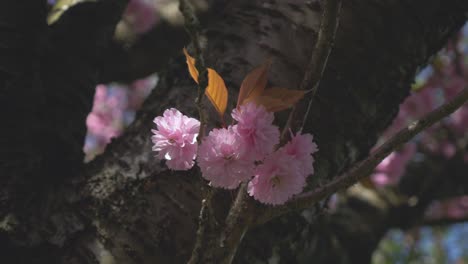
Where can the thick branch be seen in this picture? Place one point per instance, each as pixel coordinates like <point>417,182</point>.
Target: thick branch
<point>47,94</point>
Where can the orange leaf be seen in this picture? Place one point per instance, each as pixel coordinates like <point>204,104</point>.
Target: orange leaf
<point>271,104</point>
<point>254,83</point>
<point>289,96</point>
<point>191,66</point>
<point>278,99</point>
<point>217,92</point>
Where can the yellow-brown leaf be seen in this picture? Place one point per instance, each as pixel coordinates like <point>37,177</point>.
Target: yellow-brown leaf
<point>254,83</point>
<point>191,66</point>
<point>217,92</point>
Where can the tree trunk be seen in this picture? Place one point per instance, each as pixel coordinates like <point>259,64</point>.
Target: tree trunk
<point>126,207</point>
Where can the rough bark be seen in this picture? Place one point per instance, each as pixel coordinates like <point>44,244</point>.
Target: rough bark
<point>47,80</point>
<point>129,208</point>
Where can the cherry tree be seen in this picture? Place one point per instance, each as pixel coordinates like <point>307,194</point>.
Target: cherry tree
<point>335,132</point>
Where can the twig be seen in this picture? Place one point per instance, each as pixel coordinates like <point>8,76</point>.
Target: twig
<point>326,37</point>
<point>192,25</point>
<point>204,219</point>
<point>364,168</point>
<point>319,58</point>
<point>237,222</point>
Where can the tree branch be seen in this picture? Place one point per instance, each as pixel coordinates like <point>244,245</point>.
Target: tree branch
<point>319,58</point>
<point>241,214</point>
<point>323,47</point>
<point>237,223</point>
<point>364,168</point>
<point>203,219</point>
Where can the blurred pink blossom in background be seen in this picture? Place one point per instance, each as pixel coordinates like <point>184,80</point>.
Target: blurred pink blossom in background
<point>390,170</point>
<point>113,109</point>
<point>436,84</point>
<point>140,15</point>
<point>455,208</point>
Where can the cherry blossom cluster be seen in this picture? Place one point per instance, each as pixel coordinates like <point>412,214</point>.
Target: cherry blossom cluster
<point>114,108</point>
<point>437,83</point>
<point>436,140</point>
<point>244,152</point>
<point>390,170</point>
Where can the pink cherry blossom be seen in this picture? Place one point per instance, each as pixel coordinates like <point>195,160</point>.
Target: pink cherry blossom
<point>436,84</point>
<point>413,108</point>
<point>277,179</point>
<point>256,129</point>
<point>390,170</point>
<point>453,86</point>
<point>458,121</point>
<point>104,119</point>
<point>419,103</point>
<point>175,139</point>
<point>300,148</point>
<point>101,123</point>
<point>451,208</point>
<point>139,90</point>
<point>222,159</point>
<point>140,14</point>
<point>448,149</point>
